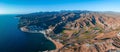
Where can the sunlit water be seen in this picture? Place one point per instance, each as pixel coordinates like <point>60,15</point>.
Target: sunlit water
<point>13,40</point>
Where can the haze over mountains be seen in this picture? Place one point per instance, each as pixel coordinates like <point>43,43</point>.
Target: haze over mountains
<point>77,31</point>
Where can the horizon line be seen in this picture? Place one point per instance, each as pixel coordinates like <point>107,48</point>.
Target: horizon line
<point>60,10</point>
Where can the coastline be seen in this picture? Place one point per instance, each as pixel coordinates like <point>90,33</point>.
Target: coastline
<point>56,43</point>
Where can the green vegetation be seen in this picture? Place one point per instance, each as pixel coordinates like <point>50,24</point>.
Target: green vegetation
<point>84,37</point>
<point>86,32</point>
<point>96,28</point>
<point>88,36</point>
<point>75,32</point>
<point>63,31</point>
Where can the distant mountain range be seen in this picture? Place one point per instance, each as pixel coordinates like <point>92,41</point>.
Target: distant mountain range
<point>77,31</point>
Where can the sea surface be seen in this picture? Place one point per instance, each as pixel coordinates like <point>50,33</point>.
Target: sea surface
<point>14,40</point>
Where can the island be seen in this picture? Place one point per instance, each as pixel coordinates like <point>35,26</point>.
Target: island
<point>75,31</point>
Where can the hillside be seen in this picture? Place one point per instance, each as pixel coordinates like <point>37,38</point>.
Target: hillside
<point>78,31</point>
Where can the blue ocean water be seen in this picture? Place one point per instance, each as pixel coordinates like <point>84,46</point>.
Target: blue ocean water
<point>13,40</point>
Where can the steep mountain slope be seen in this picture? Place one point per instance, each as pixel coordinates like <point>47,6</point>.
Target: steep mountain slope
<point>76,30</point>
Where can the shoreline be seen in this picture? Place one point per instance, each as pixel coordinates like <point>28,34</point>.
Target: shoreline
<point>56,43</point>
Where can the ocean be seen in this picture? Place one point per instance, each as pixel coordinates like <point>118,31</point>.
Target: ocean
<point>14,40</point>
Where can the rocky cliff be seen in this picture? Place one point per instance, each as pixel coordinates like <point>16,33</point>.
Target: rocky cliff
<point>77,31</point>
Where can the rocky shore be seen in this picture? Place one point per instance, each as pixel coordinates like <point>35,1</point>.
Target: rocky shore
<point>57,44</point>
<point>108,45</point>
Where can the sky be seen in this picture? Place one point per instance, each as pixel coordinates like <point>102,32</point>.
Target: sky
<point>30,6</point>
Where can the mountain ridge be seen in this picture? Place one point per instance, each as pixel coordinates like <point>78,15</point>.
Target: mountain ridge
<point>75,28</point>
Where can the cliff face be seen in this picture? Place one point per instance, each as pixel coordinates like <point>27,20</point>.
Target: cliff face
<point>78,31</point>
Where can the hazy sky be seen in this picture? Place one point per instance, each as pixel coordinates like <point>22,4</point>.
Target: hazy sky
<point>29,6</point>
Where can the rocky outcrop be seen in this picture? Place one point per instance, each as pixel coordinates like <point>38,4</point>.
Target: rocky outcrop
<point>103,46</point>
<point>116,41</point>
<point>76,31</point>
